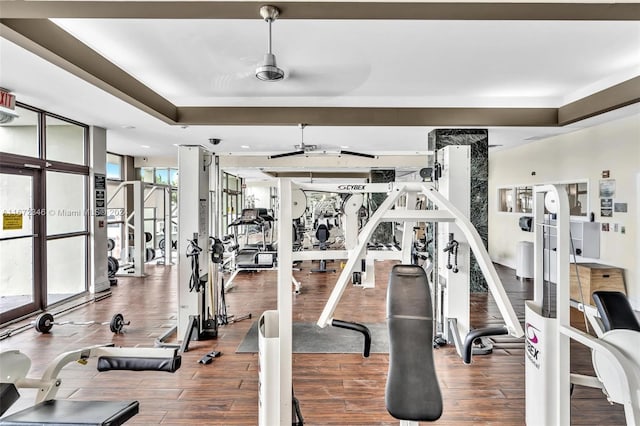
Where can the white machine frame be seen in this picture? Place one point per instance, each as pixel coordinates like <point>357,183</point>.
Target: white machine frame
<point>281,361</point>
<point>139,198</point>
<point>15,366</point>
<point>547,368</point>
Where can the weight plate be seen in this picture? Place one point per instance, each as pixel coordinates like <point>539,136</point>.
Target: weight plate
<point>161,244</point>
<point>111,244</point>
<point>117,323</point>
<point>150,254</point>
<point>44,323</point>
<point>148,237</point>
<point>112,266</point>
<point>298,203</point>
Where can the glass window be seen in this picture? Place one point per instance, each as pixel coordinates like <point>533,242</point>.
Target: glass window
<point>65,203</point>
<point>16,279</point>
<point>162,176</point>
<point>146,174</point>
<point>505,198</point>
<point>114,166</point>
<point>65,141</point>
<point>524,199</point>
<point>173,177</point>
<point>66,266</point>
<point>578,198</point>
<point>20,135</point>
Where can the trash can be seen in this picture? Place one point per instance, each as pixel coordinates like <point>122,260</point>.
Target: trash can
<point>524,259</point>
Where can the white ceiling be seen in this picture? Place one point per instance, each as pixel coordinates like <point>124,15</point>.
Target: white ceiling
<point>329,63</point>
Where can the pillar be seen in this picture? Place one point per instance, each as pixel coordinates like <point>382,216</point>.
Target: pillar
<point>478,140</point>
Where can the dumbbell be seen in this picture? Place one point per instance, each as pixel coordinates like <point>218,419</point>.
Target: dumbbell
<point>45,322</point>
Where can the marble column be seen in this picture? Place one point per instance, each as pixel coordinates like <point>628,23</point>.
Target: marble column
<point>383,234</point>
<point>478,139</point>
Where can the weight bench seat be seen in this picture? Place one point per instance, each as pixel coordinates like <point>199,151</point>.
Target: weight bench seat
<point>412,391</point>
<point>615,311</point>
<point>76,413</point>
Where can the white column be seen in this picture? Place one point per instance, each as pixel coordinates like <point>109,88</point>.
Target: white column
<point>285,303</point>
<point>193,220</point>
<point>138,229</point>
<point>97,207</point>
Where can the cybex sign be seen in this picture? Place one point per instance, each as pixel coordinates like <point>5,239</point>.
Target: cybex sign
<point>532,344</point>
<point>351,187</point>
<point>7,100</point>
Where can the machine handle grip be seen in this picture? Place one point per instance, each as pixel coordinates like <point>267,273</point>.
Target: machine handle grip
<point>360,329</point>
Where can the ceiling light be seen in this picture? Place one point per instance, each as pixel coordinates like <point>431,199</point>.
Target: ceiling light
<point>145,146</point>
<point>269,71</point>
<point>245,146</point>
<point>344,146</point>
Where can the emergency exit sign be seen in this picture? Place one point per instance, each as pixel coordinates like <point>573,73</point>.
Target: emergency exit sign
<point>7,100</point>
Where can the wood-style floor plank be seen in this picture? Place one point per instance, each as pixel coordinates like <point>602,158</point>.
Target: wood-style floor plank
<point>333,389</point>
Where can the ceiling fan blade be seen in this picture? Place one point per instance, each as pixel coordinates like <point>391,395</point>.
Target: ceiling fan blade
<point>357,154</point>
<point>286,154</point>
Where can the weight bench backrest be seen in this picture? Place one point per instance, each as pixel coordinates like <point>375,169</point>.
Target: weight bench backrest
<point>412,391</point>
<point>322,233</point>
<point>615,311</point>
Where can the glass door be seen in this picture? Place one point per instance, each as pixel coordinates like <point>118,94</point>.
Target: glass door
<point>19,243</point>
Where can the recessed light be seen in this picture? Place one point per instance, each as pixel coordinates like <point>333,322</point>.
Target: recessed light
<point>145,146</point>
<point>245,146</point>
<point>344,146</point>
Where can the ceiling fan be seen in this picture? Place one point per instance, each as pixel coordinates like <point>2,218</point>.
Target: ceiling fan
<point>311,68</point>
<point>305,149</point>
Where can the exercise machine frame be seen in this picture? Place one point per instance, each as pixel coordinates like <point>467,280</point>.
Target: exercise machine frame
<point>547,364</point>
<point>282,387</point>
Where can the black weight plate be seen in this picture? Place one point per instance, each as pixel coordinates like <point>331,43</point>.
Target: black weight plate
<point>148,237</point>
<point>117,323</point>
<point>44,323</point>
<point>111,244</point>
<point>161,244</point>
<point>112,266</point>
<point>150,254</point>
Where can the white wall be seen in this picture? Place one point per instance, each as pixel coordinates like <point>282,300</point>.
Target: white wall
<point>156,161</point>
<point>583,154</point>
<point>260,190</point>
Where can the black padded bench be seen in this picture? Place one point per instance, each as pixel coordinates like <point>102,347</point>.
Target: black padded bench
<point>412,391</point>
<point>85,413</point>
<point>615,311</point>
<point>71,412</point>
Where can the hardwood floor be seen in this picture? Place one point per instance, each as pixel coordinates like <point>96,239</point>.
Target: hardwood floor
<point>333,389</point>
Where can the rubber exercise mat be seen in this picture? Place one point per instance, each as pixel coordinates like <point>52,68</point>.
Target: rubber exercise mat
<point>309,338</point>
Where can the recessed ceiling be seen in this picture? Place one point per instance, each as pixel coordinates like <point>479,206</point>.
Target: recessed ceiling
<point>367,63</point>
<point>349,63</point>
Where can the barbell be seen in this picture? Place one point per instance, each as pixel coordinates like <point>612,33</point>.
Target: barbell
<point>45,322</point>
